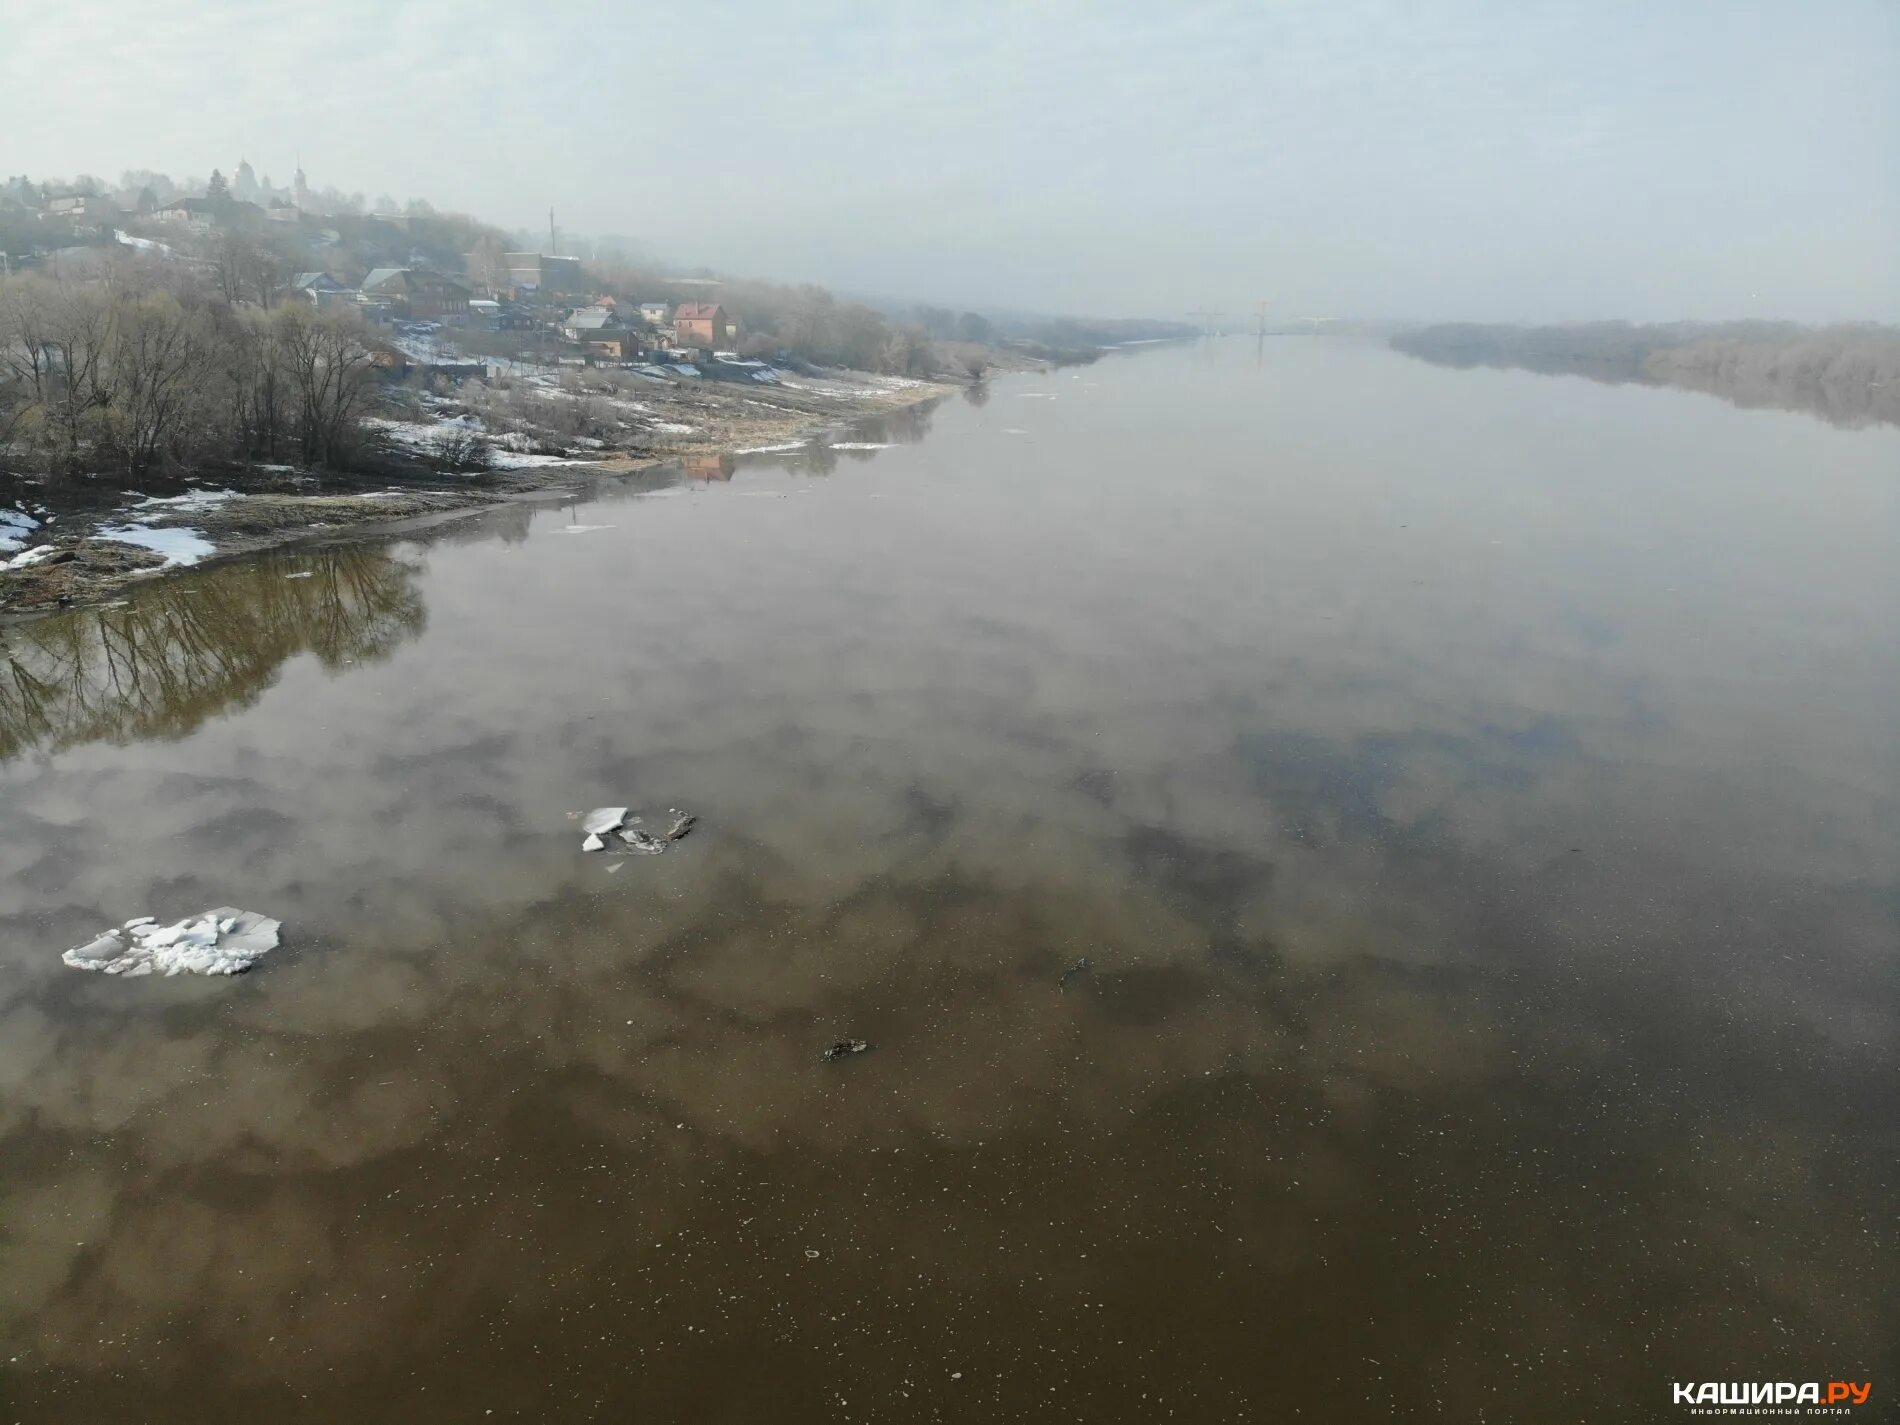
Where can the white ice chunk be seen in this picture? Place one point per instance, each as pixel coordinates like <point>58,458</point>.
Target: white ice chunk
<point>220,941</point>
<point>592,842</point>
<point>603,819</point>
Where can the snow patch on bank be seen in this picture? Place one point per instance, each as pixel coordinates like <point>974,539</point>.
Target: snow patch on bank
<point>190,500</point>
<point>179,546</point>
<point>30,557</point>
<point>15,526</point>
<point>427,440</point>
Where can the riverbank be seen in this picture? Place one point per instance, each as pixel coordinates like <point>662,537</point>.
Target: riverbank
<point>1847,374</point>
<point>83,541</point>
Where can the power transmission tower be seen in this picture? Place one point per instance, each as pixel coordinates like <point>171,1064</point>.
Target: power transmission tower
<point>1207,321</point>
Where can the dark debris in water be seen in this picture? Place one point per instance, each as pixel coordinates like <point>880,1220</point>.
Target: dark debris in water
<point>605,825</point>
<point>844,1049</point>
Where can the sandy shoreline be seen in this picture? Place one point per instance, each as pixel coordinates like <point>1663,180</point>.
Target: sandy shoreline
<point>233,514</point>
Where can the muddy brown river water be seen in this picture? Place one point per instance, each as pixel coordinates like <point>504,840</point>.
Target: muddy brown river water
<point>1476,794</point>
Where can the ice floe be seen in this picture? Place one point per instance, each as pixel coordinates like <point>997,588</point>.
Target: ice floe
<point>771,449</point>
<point>603,819</point>
<point>604,826</point>
<point>220,941</point>
<point>862,444</point>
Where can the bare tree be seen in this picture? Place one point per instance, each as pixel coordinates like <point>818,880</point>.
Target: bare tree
<point>53,340</point>
<point>161,356</point>
<point>249,269</point>
<point>326,359</point>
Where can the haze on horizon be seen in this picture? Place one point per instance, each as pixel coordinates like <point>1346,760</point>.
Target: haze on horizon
<point>1488,160</point>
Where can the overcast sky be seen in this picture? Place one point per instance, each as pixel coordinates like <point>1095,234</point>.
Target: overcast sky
<point>1492,159</point>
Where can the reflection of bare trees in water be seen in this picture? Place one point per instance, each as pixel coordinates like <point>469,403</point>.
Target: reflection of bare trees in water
<point>903,425</point>
<point>508,523</point>
<point>185,651</point>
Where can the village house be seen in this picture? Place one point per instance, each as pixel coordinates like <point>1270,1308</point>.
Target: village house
<point>500,315</point>
<point>417,294</point>
<point>656,314</point>
<point>538,272</point>
<point>79,205</point>
<point>198,213</point>
<point>321,290</point>
<point>601,331</point>
<point>702,324</point>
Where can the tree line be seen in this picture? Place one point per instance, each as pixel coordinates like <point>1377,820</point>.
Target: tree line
<point>1848,374</point>
<point>147,371</point>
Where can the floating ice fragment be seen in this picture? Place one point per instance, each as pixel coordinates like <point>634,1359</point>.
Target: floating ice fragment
<point>606,825</point>
<point>844,1049</point>
<point>643,842</point>
<point>603,819</point>
<point>220,941</point>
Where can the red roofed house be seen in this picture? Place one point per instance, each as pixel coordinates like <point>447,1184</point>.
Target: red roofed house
<point>702,324</point>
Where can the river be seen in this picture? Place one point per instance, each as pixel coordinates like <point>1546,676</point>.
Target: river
<point>1476,796</point>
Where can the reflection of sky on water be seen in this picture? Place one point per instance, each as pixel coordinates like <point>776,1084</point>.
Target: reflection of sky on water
<point>1477,801</point>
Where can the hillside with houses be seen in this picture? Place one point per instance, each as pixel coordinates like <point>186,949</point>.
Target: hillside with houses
<point>205,367</point>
